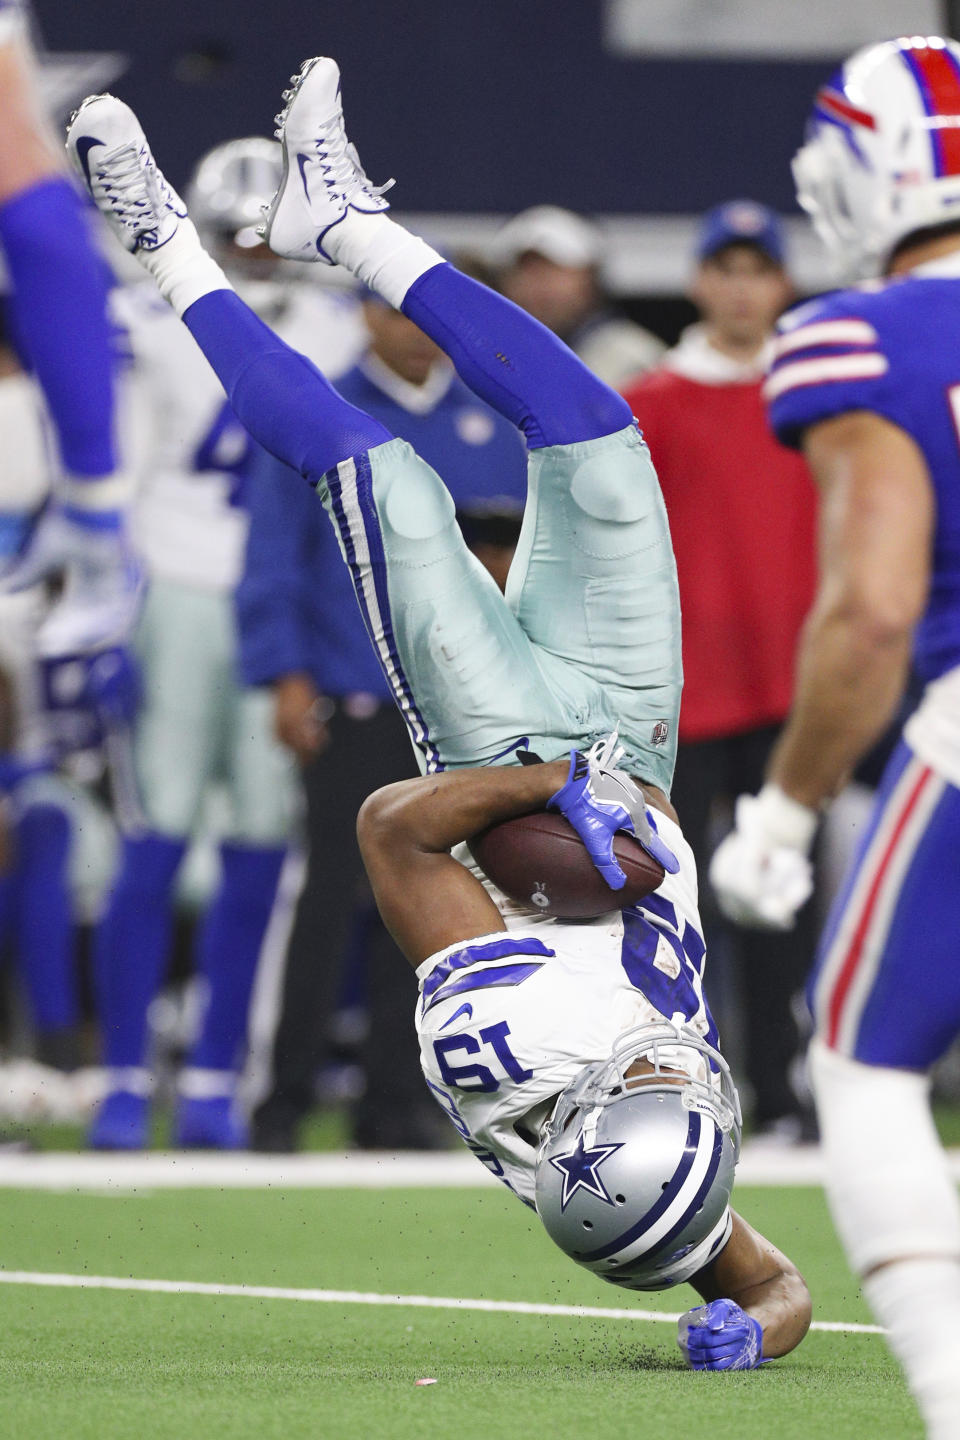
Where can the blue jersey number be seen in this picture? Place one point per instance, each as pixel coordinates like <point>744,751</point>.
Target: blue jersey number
<point>225,449</point>
<point>479,1077</point>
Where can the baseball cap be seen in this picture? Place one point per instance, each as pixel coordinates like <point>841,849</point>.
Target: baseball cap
<point>741,222</point>
<point>558,235</point>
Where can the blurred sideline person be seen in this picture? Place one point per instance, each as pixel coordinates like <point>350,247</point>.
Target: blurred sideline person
<point>548,261</point>
<point>198,725</point>
<point>57,303</point>
<point>867,382</point>
<point>590,1061</point>
<point>742,518</point>
<point>302,632</point>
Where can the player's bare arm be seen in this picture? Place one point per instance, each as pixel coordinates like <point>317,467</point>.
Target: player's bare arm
<point>406,832</point>
<point>876,523</point>
<point>760,1279</point>
<point>27,150</point>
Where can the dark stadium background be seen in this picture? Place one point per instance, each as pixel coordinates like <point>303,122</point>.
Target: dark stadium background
<point>489,106</point>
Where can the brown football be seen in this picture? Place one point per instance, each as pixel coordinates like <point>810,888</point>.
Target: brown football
<point>540,860</point>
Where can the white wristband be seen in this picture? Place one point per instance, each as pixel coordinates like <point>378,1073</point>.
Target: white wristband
<point>785,821</point>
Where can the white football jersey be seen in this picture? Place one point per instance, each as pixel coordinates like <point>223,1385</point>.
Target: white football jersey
<point>26,473</point>
<point>181,437</point>
<point>506,1021</point>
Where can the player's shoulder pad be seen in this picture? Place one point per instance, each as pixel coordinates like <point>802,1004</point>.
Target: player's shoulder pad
<point>830,355</point>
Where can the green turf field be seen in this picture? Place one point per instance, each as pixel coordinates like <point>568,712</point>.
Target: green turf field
<point>100,1365</point>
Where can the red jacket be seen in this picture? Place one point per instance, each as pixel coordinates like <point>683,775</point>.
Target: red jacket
<point>742,515</point>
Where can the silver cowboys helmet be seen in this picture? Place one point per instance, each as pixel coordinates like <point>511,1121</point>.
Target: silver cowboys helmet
<point>636,1167</point>
<point>230,187</point>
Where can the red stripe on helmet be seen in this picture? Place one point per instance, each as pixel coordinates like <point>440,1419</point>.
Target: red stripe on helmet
<point>939,70</point>
<point>838,105</point>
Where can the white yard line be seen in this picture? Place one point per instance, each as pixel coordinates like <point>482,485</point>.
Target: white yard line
<point>364,1170</point>
<point>363,1297</point>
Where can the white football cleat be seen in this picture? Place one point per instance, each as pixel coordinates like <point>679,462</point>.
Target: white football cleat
<point>107,145</point>
<point>322,174</point>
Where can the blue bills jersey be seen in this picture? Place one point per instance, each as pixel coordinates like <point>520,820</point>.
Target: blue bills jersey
<point>892,348</point>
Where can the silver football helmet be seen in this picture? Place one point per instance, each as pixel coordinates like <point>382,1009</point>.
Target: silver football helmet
<point>230,187</point>
<point>635,1170</point>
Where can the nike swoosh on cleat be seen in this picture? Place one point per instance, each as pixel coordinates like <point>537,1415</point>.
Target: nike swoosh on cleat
<point>84,145</point>
<point>464,1010</point>
<point>302,162</point>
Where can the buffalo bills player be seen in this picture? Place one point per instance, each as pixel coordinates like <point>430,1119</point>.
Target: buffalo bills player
<point>576,1061</point>
<point>867,382</point>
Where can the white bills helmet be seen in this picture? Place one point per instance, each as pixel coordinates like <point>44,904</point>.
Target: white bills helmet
<point>882,153</point>
<point>231,185</point>
<point>635,1170</point>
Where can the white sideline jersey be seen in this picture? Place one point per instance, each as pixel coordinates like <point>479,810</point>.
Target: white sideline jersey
<point>26,475</point>
<point>184,441</point>
<point>506,1021</point>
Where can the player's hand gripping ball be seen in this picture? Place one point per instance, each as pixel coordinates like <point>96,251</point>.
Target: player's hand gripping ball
<point>595,850</point>
<point>720,1336</point>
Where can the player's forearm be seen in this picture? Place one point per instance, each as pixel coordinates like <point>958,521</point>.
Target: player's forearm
<point>782,1308</point>
<point>429,901</point>
<point>436,812</point>
<point>759,1278</point>
<point>850,676</point>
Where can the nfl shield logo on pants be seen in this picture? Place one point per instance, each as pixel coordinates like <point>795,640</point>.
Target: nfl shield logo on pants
<point>659,733</point>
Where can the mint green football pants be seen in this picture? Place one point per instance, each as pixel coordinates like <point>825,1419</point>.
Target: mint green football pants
<point>587,638</point>
<point>198,727</point>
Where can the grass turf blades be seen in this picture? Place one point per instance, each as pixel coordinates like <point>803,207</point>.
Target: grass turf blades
<point>82,1364</point>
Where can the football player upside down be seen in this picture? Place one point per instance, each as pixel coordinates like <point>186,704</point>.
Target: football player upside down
<point>579,1062</point>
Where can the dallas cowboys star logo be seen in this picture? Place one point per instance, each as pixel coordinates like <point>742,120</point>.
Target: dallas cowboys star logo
<point>579,1170</point>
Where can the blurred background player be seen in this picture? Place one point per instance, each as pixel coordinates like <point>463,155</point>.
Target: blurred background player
<point>57,301</point>
<point>302,632</point>
<point>198,725</point>
<point>867,382</point>
<point>742,516</point>
<point>58,841</point>
<point>549,262</point>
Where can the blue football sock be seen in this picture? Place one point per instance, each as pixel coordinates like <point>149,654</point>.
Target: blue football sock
<point>513,362</point>
<point>229,948</point>
<point>132,943</point>
<point>59,312</point>
<point>44,921</point>
<point>276,393</point>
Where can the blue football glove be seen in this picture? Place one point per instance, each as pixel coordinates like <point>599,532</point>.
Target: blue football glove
<point>720,1336</point>
<point>598,800</point>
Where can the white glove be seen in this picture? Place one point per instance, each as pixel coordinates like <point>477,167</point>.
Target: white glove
<point>760,873</point>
